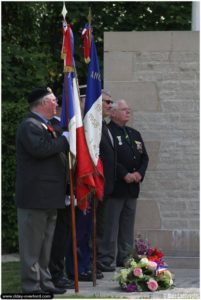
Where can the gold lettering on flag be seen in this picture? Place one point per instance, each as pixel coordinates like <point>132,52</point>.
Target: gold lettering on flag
<point>94,122</point>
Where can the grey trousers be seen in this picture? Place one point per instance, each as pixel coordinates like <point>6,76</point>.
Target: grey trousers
<point>35,230</point>
<point>118,230</point>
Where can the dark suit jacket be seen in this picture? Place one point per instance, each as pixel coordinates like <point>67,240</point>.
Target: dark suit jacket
<point>41,166</point>
<point>131,156</point>
<point>108,157</point>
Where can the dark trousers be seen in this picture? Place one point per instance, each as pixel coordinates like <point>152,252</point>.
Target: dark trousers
<point>36,229</point>
<point>59,245</point>
<point>117,231</point>
<point>83,234</point>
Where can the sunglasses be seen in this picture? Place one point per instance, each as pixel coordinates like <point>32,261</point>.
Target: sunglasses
<point>108,101</point>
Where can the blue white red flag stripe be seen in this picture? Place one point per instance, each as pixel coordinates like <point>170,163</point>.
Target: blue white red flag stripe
<point>161,268</point>
<point>93,116</point>
<point>72,119</point>
<point>68,117</point>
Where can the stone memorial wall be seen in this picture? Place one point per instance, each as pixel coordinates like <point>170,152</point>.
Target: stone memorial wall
<point>157,73</point>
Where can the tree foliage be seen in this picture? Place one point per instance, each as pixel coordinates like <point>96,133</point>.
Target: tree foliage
<point>12,114</point>
<point>32,36</point>
<point>31,46</point>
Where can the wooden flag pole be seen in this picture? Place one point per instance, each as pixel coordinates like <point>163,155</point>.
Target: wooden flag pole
<point>89,17</point>
<point>93,198</point>
<point>74,239</point>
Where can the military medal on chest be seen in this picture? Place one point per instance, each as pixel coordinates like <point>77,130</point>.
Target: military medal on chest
<point>50,129</point>
<point>119,140</point>
<point>139,146</point>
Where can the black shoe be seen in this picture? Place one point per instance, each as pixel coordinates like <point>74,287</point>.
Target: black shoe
<point>105,267</point>
<point>55,290</point>
<point>66,279</point>
<point>64,283</point>
<point>84,276</point>
<point>99,274</point>
<point>119,264</point>
<point>87,276</point>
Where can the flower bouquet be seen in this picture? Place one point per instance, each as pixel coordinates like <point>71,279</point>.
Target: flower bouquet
<point>145,270</point>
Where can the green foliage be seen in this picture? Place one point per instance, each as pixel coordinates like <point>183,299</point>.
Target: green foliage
<point>18,81</point>
<point>31,56</point>
<point>12,113</point>
<point>31,45</point>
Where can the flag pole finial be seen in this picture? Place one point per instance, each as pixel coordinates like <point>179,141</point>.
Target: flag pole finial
<point>64,10</point>
<point>89,17</point>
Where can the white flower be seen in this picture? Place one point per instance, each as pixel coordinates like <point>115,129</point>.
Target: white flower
<point>143,262</point>
<point>152,265</point>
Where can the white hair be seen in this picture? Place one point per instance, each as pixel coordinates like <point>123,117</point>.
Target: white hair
<point>107,93</point>
<point>115,105</point>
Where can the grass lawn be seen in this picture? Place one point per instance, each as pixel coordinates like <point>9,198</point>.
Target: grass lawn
<point>10,278</point>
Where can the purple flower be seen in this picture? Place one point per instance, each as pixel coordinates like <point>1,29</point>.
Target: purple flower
<point>131,287</point>
<point>142,247</point>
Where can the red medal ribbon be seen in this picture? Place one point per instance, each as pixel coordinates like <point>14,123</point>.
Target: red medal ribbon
<point>52,131</point>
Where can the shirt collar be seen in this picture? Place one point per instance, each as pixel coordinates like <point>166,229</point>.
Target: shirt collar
<point>39,115</point>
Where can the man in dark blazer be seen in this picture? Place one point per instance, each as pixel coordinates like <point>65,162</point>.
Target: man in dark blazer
<point>108,158</point>
<point>40,189</point>
<point>132,162</point>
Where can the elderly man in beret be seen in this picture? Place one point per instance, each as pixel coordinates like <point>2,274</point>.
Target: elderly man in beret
<point>40,189</point>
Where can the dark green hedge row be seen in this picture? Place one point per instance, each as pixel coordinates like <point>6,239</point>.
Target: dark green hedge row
<point>12,114</point>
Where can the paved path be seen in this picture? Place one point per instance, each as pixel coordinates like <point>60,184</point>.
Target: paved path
<point>186,281</point>
<point>187,284</point>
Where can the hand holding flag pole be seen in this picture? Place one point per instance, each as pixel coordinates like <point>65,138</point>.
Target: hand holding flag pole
<point>66,52</point>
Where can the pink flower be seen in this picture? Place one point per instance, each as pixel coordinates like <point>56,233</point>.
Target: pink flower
<point>137,272</point>
<point>152,265</point>
<point>152,285</point>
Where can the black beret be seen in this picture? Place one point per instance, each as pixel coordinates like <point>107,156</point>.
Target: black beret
<point>38,93</point>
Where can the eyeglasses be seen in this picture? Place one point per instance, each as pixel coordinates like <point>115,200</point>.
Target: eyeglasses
<point>108,101</point>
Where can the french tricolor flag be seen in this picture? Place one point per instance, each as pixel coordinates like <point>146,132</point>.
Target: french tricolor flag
<point>93,117</point>
<point>72,119</point>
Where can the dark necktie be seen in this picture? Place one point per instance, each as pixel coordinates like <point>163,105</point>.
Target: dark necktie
<point>127,138</point>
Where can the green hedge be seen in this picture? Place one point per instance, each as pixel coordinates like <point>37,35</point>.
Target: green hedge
<point>12,114</point>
